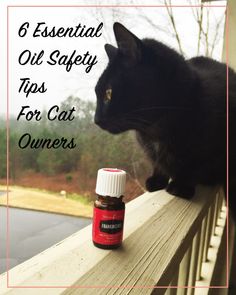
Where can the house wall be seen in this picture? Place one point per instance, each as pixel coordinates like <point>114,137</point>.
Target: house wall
<point>231,35</point>
<point>232,63</point>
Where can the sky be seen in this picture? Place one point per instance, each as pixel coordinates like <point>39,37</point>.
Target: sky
<point>61,83</point>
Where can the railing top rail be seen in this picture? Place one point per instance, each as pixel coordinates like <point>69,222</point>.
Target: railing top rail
<point>158,231</point>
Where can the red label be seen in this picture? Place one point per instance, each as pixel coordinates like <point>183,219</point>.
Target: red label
<point>108,226</point>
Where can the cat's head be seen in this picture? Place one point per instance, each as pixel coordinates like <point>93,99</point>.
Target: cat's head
<point>127,89</point>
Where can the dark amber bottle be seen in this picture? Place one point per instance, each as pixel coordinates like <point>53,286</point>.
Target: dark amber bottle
<point>109,209</point>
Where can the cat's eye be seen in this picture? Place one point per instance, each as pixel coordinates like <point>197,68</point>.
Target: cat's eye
<point>108,95</point>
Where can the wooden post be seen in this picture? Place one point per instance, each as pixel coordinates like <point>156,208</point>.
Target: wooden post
<point>174,282</point>
<point>184,272</point>
<point>194,262</point>
<point>215,214</point>
<point>211,232</point>
<point>201,248</point>
<point>232,256</point>
<point>205,250</point>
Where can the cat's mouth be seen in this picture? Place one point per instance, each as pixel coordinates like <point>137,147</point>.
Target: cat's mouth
<point>118,125</point>
<point>112,126</point>
<point>114,129</point>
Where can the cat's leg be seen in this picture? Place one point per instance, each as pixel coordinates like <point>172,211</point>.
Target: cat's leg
<point>181,188</point>
<point>156,182</point>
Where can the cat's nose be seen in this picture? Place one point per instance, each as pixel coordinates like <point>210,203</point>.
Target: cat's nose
<point>97,120</point>
<point>100,120</point>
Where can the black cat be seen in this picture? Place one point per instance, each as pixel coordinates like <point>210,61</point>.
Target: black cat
<point>178,109</point>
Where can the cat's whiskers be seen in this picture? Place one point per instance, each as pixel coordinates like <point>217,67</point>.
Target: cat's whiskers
<point>162,108</point>
<point>135,123</point>
<point>221,112</point>
<point>139,120</point>
<point>128,115</point>
<point>131,118</point>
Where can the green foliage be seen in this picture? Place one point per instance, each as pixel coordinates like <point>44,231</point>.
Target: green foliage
<point>69,177</point>
<point>47,162</point>
<point>94,149</point>
<point>80,198</point>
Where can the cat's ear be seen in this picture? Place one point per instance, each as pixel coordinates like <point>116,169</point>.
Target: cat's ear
<point>111,51</point>
<point>128,44</point>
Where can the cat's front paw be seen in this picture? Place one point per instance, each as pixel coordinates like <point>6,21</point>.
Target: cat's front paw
<point>180,189</point>
<point>156,183</point>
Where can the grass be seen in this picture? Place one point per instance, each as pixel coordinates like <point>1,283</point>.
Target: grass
<point>41,200</point>
<point>73,196</point>
<point>80,198</point>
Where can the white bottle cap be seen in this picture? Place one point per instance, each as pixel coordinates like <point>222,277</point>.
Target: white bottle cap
<point>110,182</point>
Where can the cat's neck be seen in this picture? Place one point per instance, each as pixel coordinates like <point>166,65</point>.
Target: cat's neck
<point>169,124</point>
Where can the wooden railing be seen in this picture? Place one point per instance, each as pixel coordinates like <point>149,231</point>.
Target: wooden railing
<point>169,242</point>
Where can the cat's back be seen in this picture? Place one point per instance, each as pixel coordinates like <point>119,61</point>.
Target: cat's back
<point>208,69</point>
<point>213,71</point>
<point>213,81</point>
<point>213,75</point>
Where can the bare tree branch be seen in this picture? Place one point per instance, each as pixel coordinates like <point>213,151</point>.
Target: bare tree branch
<point>155,26</point>
<point>207,36</point>
<point>217,30</point>
<point>200,31</point>
<point>172,20</point>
